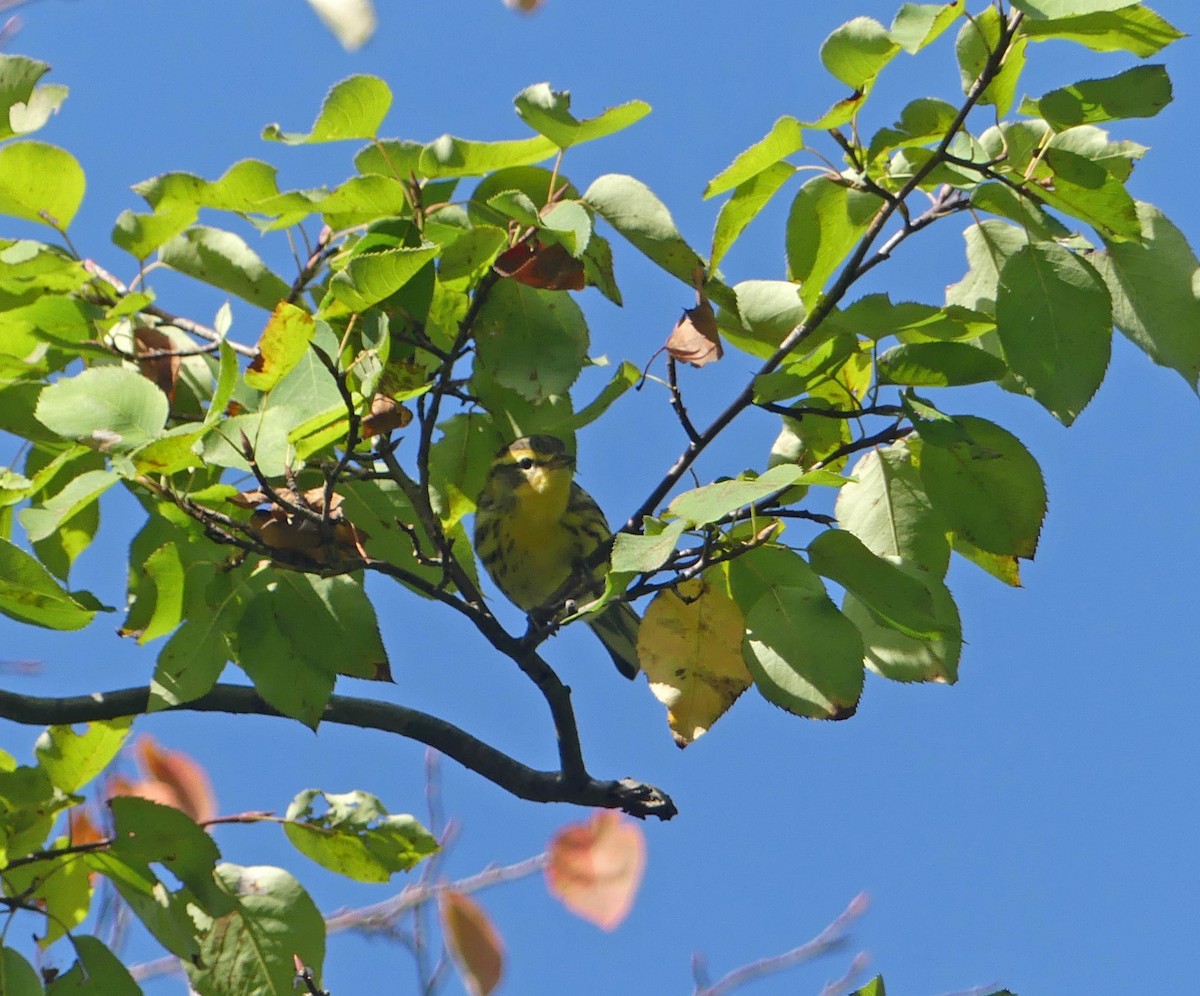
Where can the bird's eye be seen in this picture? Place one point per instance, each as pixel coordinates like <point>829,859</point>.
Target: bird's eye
<point>525,463</point>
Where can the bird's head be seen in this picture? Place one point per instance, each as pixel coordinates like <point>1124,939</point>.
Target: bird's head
<point>538,464</point>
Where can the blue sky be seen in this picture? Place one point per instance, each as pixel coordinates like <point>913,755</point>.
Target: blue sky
<point>1032,826</point>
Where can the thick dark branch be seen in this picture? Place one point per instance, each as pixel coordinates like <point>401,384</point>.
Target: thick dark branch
<point>632,797</point>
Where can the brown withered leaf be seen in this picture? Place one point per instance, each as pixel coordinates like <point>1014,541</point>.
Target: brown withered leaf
<point>695,338</point>
<point>595,868</point>
<point>162,371</point>
<point>524,6</point>
<point>282,528</point>
<point>473,941</point>
<point>547,266</point>
<point>387,415</point>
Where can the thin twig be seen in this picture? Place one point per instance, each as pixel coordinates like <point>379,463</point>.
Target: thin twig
<point>831,937</point>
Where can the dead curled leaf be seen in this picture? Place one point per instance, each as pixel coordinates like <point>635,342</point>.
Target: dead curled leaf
<point>387,415</point>
<point>545,265</point>
<point>595,868</point>
<point>162,371</point>
<point>695,338</point>
<point>284,527</point>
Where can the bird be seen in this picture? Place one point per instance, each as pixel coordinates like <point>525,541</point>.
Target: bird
<point>535,528</point>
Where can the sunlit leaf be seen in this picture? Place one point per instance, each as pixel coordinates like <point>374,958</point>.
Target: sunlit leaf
<point>690,646</point>
<point>353,108</point>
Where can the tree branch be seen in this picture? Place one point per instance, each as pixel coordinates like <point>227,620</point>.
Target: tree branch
<point>635,798</point>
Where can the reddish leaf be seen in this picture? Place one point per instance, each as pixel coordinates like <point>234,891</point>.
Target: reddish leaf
<point>695,339</point>
<point>473,942</point>
<point>545,265</point>
<point>180,775</point>
<point>80,826</point>
<point>595,868</point>
<point>162,371</point>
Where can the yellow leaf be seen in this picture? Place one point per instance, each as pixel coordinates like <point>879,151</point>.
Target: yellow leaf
<point>691,650</point>
<point>595,868</point>
<point>473,941</point>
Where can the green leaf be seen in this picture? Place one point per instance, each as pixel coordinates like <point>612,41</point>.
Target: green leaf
<point>112,408</point>
<point>190,663</point>
<point>140,234</point>
<point>356,836</point>
<point>767,312</point>
<point>977,39</point>
<point>471,253</point>
<point>804,655</point>
<point>1054,321</point>
<point>872,988</point>
<point>370,277</point>
<point>42,520</point>
<point>549,112</point>
<point>623,379</point>
<point>531,341</point>
<point>1001,199</point>
<point>1005,568</point>
<point>634,211</point>
<point>146,832</point>
<point>785,137</point>
<point>938,364</point>
<point>748,199</point>
<point>570,224</point>
<point>902,656</point>
<point>96,972</point>
<point>1132,28</point>
<point>856,52</point>
<point>29,594</point>
<point>918,24</point>
<point>876,317</point>
<point>904,603</point>
<point>253,948</point>
<point>1092,194</point>
<point>165,914</point>
<point>986,487</point>
<point>353,108</point>
<point>273,649</point>
<point>40,182</point>
<point>714,501</point>
<point>60,888</point>
<point>826,221</point>
<point>24,108</point>
<point>450,156</point>
<point>1154,288</point>
<point>378,508</point>
<point>1140,92</point>
<point>285,339</point>
<point>17,976</point>
<point>1048,9</point>
<point>990,244</point>
<point>459,462</point>
<point>73,759</point>
<point>224,260</point>
<point>640,554</point>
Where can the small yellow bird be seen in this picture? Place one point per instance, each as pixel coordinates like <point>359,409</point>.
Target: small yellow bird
<point>535,527</point>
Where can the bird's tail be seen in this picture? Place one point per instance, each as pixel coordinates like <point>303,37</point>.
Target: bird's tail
<point>617,627</point>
